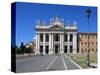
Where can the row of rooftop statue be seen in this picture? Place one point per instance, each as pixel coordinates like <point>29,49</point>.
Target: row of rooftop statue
<point>57,20</point>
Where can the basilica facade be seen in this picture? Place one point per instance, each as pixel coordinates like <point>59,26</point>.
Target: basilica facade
<point>56,37</point>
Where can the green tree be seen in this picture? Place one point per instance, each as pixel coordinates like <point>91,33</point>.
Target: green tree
<point>22,48</point>
<point>17,50</point>
<point>28,50</point>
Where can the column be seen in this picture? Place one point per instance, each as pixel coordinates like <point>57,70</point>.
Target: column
<point>38,35</point>
<point>76,42</point>
<point>62,42</point>
<point>50,44</point>
<point>68,48</point>
<point>44,43</point>
<point>73,43</point>
<point>36,51</point>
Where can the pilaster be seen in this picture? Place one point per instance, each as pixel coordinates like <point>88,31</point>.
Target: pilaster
<point>50,44</point>
<point>68,43</point>
<point>62,43</point>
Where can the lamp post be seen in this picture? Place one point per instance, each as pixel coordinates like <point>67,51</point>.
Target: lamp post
<point>88,12</point>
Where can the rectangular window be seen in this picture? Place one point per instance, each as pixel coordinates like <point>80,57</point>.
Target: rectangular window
<point>57,38</point>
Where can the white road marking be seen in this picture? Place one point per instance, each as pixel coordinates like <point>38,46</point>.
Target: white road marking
<point>51,63</point>
<point>64,63</point>
<point>74,63</point>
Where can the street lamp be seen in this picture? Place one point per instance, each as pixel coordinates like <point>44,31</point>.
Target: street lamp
<point>88,12</point>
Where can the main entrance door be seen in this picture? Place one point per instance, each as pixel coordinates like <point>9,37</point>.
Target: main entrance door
<point>41,49</point>
<point>71,49</point>
<point>65,49</point>
<point>56,49</point>
<point>47,50</point>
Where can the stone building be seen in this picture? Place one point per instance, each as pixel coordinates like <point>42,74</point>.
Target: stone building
<point>56,37</point>
<point>32,45</point>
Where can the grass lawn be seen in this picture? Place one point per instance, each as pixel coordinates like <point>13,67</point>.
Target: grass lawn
<point>82,58</point>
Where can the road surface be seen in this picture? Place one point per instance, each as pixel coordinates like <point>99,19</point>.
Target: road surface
<point>45,63</point>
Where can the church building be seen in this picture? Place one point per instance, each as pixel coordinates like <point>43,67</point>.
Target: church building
<point>56,37</point>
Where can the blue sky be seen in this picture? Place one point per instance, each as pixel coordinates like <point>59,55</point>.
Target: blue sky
<point>28,13</point>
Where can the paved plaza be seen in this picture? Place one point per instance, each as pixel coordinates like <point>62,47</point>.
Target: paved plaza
<point>45,63</point>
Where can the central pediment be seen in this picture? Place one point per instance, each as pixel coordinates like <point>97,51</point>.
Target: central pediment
<point>56,27</point>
